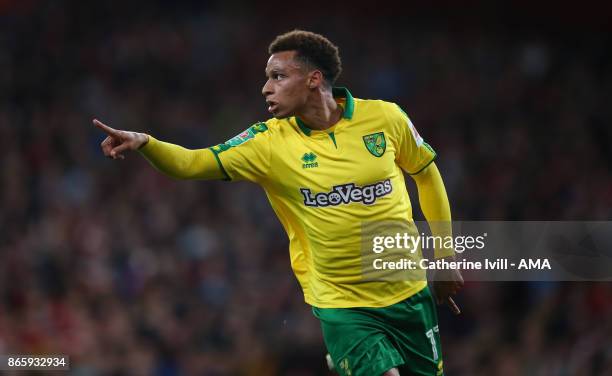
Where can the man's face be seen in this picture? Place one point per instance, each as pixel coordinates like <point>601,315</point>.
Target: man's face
<point>286,90</point>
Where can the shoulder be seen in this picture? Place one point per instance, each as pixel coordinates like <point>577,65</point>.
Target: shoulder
<point>377,107</point>
<point>273,125</point>
<point>388,115</point>
<point>281,128</point>
<point>250,136</point>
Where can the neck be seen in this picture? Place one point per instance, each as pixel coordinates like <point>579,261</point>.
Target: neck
<point>322,112</point>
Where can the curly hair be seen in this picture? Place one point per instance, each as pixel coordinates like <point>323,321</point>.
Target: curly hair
<point>312,49</point>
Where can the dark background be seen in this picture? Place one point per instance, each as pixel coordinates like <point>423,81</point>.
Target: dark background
<point>129,272</point>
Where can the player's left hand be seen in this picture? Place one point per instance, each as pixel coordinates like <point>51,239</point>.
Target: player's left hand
<point>447,283</point>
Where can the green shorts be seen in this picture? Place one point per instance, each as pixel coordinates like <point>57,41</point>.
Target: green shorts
<point>370,341</point>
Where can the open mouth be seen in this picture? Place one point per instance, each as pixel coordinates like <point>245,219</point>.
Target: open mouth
<point>272,106</point>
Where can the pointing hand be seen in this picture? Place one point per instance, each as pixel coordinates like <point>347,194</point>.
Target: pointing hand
<point>117,141</point>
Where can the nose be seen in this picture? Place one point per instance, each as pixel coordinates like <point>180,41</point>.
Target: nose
<point>267,89</point>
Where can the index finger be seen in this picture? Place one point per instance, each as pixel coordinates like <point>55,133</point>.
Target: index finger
<point>105,128</point>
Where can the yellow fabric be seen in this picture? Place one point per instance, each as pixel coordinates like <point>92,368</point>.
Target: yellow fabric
<point>434,204</point>
<point>300,169</point>
<point>180,163</point>
<point>323,185</point>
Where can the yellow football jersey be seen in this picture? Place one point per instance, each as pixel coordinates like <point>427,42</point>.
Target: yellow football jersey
<point>324,184</point>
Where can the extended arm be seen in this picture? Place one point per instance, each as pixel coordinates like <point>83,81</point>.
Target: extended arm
<point>181,163</point>
<point>173,160</point>
<point>434,204</point>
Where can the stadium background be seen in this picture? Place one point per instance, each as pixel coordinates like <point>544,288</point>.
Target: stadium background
<point>130,272</point>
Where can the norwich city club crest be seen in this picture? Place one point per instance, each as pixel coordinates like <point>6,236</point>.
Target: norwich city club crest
<point>375,143</point>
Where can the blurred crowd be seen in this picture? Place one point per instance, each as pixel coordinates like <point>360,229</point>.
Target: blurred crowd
<point>131,273</point>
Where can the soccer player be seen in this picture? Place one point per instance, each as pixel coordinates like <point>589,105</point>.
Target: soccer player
<point>329,162</point>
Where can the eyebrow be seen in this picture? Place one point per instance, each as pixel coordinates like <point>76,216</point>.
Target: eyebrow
<point>272,70</point>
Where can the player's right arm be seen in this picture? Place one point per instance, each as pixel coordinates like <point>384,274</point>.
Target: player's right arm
<point>172,160</point>
<point>416,158</point>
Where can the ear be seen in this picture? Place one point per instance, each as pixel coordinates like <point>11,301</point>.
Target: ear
<point>315,79</point>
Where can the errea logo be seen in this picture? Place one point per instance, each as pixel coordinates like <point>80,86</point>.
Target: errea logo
<point>309,160</point>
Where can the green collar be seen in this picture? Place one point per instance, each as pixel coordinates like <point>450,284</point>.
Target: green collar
<point>349,107</point>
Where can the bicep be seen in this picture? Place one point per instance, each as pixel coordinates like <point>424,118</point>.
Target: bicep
<point>413,154</point>
<point>245,160</point>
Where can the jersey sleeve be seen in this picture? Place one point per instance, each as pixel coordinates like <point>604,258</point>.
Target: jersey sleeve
<point>180,163</point>
<point>246,156</point>
<point>413,154</point>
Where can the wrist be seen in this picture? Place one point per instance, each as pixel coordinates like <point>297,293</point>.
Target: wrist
<point>143,139</point>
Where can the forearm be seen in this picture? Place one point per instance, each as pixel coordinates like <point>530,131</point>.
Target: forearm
<point>181,163</point>
<point>435,205</point>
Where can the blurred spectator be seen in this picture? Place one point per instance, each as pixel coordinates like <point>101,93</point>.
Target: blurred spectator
<point>130,272</point>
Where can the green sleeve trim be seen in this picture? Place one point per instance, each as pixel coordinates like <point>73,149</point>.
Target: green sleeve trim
<point>427,165</point>
<point>429,147</point>
<point>227,177</point>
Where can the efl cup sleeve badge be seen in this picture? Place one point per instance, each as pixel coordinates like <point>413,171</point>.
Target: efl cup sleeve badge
<point>375,143</point>
<point>248,134</point>
<point>240,139</point>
